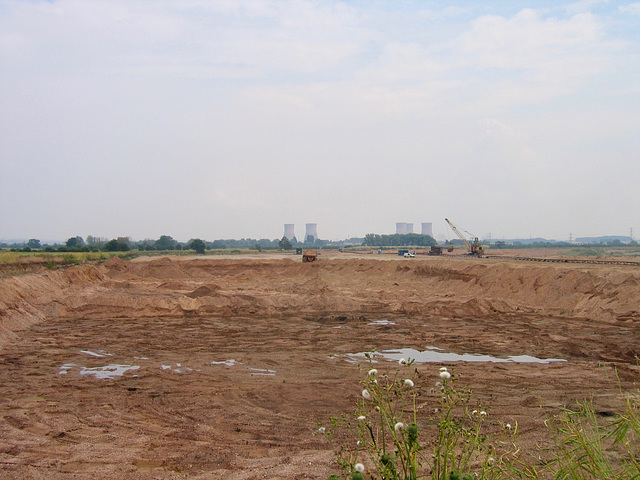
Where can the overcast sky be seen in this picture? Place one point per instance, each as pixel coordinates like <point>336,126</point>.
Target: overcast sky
<point>228,119</point>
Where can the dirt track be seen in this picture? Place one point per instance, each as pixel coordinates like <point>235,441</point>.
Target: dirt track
<point>227,365</point>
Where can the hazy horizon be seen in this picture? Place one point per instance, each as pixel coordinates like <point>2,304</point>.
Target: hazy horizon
<point>220,120</point>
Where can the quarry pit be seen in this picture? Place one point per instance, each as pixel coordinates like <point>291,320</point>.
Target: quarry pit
<point>206,367</point>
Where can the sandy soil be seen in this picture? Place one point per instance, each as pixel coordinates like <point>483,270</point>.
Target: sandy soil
<point>222,367</point>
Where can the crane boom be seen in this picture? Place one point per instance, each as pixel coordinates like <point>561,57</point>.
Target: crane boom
<point>474,248</point>
<point>457,232</point>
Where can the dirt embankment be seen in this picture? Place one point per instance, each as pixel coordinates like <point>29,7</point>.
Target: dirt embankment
<point>28,299</point>
<point>222,287</point>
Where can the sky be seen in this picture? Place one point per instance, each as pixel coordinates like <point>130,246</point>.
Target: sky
<point>230,118</point>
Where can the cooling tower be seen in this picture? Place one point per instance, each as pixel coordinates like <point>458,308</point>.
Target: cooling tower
<point>401,228</point>
<point>289,231</point>
<point>408,228</point>
<point>427,229</point>
<point>312,233</point>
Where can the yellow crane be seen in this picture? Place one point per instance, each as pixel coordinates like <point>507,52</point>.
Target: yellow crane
<point>474,246</point>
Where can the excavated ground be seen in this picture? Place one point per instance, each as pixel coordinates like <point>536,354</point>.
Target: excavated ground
<point>222,367</point>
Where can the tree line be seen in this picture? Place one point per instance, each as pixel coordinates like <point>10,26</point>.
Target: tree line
<point>398,240</point>
<point>164,242</point>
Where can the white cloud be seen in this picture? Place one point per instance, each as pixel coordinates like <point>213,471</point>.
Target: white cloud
<point>530,41</point>
<point>632,8</point>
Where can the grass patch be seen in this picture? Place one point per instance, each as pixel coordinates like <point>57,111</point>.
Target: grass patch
<point>50,259</point>
<point>388,437</point>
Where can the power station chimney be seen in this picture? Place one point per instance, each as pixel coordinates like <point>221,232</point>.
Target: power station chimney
<point>312,233</point>
<point>427,229</point>
<point>289,231</point>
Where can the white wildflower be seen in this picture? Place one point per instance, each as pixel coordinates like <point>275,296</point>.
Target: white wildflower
<point>483,413</point>
<point>445,375</point>
<point>362,418</point>
<point>373,372</point>
<point>509,427</point>
<point>443,369</point>
<point>322,430</point>
<point>402,361</point>
<point>491,461</point>
<point>377,409</point>
<point>366,395</point>
<point>398,426</point>
<point>408,383</point>
<point>358,467</point>
<point>475,412</point>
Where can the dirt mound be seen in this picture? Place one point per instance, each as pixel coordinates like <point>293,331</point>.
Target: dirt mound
<point>204,291</point>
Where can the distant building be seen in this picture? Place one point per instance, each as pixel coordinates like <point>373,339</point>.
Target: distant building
<point>403,228</point>
<point>427,229</point>
<point>311,234</point>
<point>289,231</point>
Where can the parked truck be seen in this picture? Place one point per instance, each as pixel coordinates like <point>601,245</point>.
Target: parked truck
<point>309,256</point>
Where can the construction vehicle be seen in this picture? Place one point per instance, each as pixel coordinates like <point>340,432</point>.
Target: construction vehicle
<point>437,249</point>
<point>309,256</point>
<point>473,246</point>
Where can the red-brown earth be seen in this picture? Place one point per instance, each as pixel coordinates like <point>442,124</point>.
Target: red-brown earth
<point>222,368</point>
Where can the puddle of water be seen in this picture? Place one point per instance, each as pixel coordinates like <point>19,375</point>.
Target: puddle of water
<point>228,363</point>
<point>437,355</point>
<point>64,369</point>
<point>262,371</point>
<point>178,368</point>
<point>99,353</point>
<point>382,322</point>
<point>109,371</point>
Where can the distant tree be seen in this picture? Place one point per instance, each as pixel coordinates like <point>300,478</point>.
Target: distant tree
<point>165,242</point>
<point>34,243</point>
<point>116,246</point>
<point>285,244</point>
<point>75,242</point>
<point>633,242</point>
<point>197,245</point>
<point>97,242</point>
<point>218,244</point>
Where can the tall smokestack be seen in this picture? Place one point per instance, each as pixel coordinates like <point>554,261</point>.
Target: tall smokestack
<point>427,229</point>
<point>289,231</point>
<point>312,233</point>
